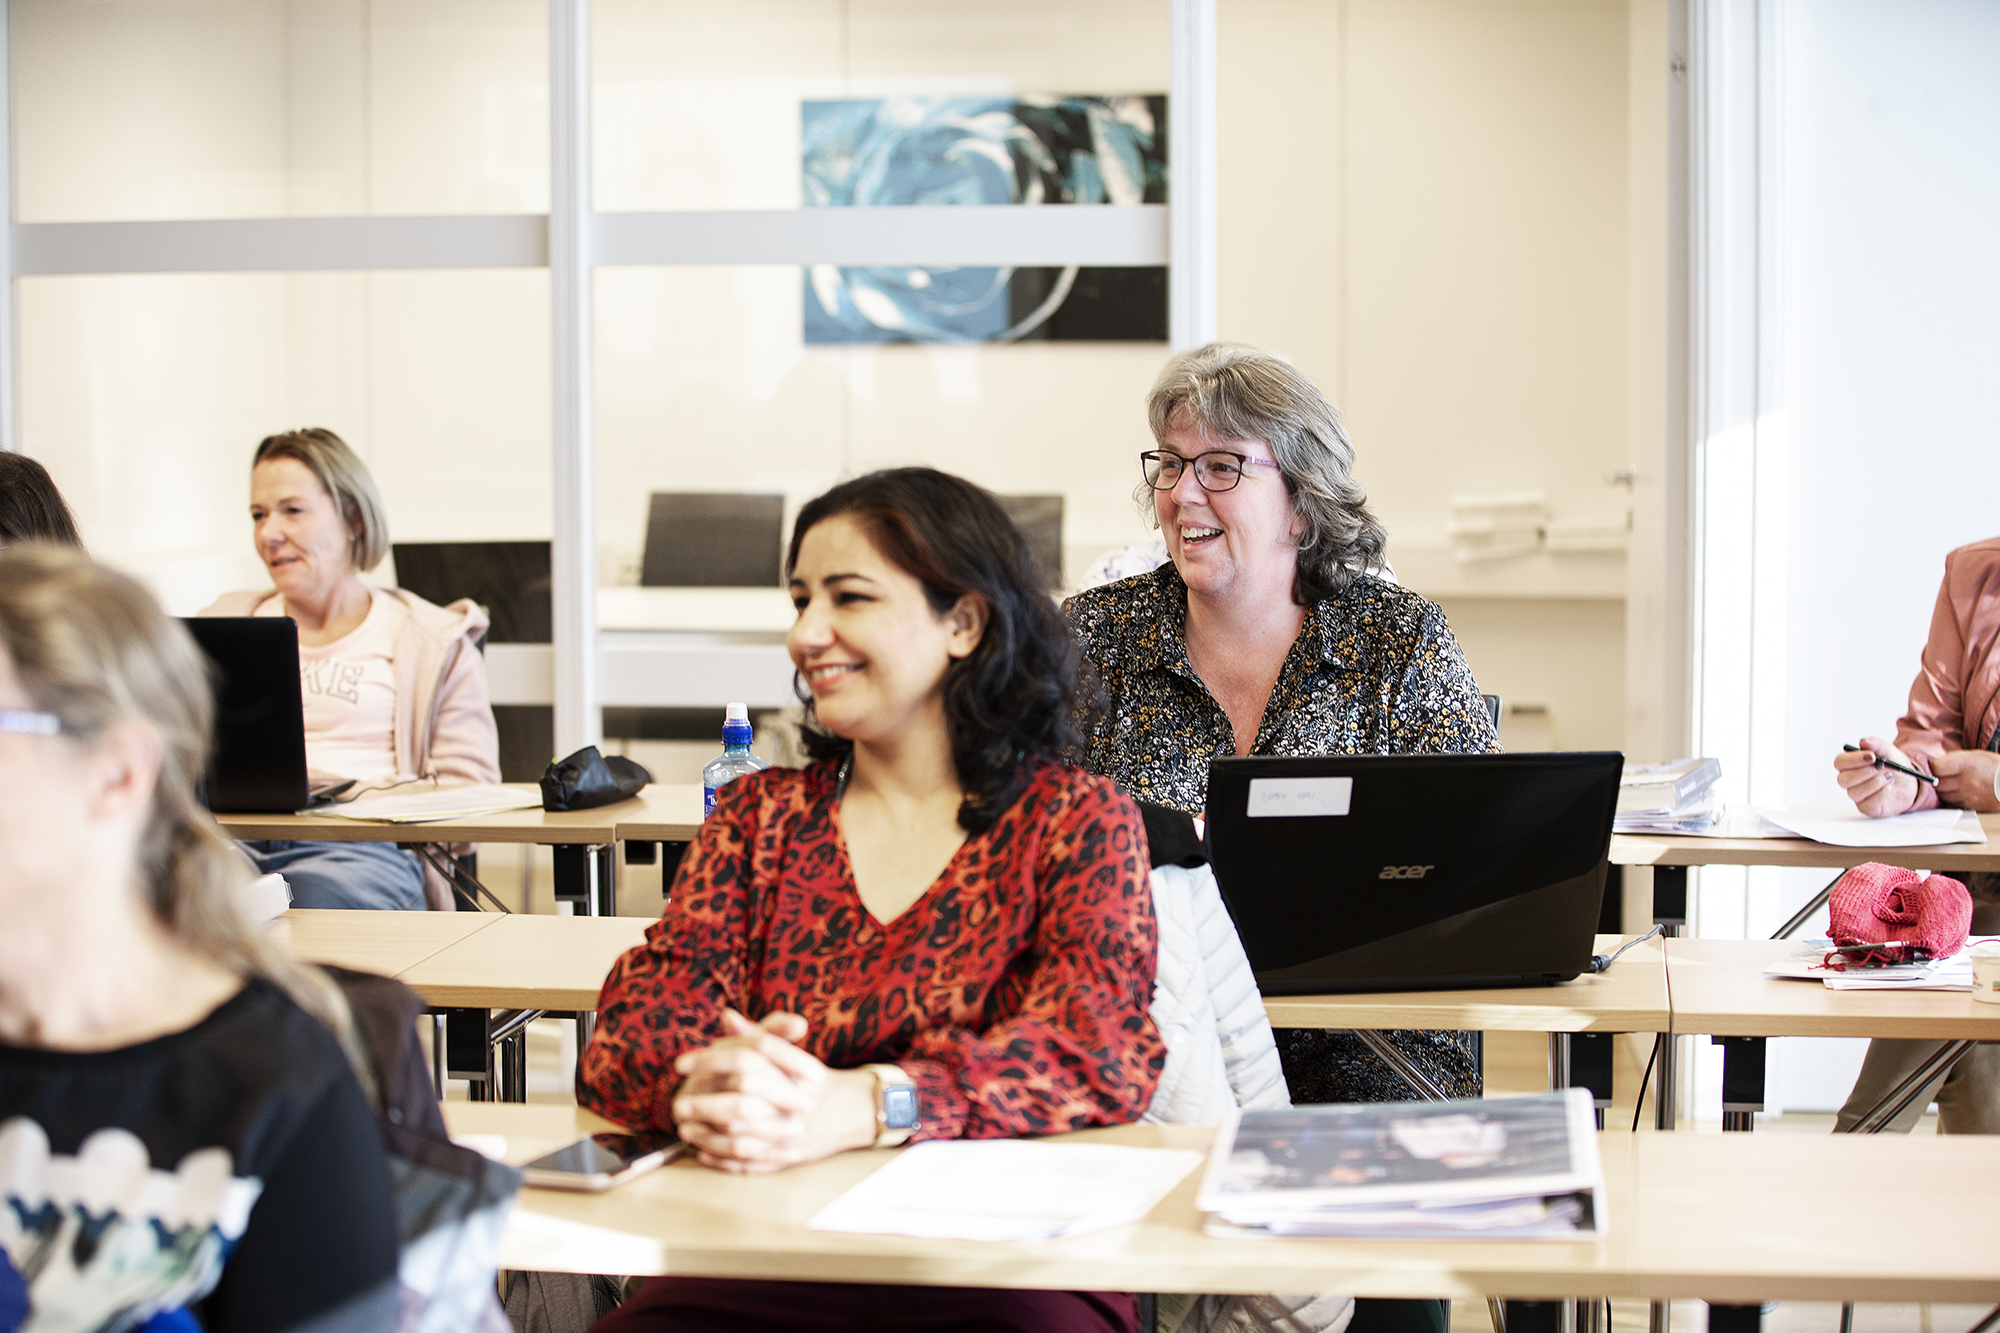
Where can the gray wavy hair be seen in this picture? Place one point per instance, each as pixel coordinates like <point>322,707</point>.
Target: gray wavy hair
<point>1228,391</point>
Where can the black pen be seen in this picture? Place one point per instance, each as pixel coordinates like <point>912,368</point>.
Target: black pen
<point>1880,762</point>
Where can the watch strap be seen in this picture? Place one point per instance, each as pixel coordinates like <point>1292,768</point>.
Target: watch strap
<point>895,1105</point>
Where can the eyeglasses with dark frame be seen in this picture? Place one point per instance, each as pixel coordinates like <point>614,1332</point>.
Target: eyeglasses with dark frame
<point>27,722</point>
<point>1216,470</point>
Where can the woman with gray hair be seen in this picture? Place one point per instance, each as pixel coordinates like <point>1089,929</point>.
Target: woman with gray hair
<point>1266,632</point>
<point>394,687</point>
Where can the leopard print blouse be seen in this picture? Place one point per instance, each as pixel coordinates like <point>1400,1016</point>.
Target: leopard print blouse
<point>1014,992</point>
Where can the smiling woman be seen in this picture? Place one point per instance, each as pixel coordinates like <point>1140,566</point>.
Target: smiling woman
<point>937,911</point>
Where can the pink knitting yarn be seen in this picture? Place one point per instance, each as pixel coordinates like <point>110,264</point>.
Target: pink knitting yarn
<point>1874,904</point>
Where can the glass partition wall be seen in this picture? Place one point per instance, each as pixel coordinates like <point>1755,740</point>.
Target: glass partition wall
<point>812,238</point>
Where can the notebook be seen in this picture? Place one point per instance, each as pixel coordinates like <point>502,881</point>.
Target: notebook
<point>1413,872</point>
<point>259,762</point>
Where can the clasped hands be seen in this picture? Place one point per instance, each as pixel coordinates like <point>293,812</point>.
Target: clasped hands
<point>1965,779</point>
<point>755,1101</point>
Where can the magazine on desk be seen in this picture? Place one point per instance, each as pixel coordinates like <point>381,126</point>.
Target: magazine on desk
<point>1507,1168</point>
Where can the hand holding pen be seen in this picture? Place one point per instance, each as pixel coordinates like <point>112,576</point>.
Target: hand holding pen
<point>1878,778</point>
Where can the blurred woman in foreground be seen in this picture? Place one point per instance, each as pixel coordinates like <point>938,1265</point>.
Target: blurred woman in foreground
<point>180,1130</point>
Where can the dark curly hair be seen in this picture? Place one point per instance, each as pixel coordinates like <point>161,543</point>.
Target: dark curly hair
<point>1008,703</point>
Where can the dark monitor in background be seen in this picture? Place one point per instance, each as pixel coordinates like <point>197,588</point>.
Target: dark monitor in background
<point>259,763</point>
<point>696,540</point>
<point>511,580</point>
<point>1040,519</point>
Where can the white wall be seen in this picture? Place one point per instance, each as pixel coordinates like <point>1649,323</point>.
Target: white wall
<point>1857,290</point>
<point>1423,203</point>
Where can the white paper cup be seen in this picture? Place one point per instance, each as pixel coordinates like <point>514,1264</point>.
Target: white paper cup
<point>1986,972</point>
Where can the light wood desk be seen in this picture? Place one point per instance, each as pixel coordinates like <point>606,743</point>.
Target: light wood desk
<point>526,962</point>
<point>1630,997</point>
<point>664,812</point>
<point>534,825</point>
<point>1647,850</point>
<point>1719,988</point>
<point>386,943</point>
<point>1795,1228</point>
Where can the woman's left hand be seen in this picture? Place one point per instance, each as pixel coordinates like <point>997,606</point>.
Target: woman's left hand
<point>754,1101</point>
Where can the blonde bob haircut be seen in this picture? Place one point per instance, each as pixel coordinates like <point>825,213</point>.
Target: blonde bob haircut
<point>92,646</point>
<point>1226,391</point>
<point>346,481</point>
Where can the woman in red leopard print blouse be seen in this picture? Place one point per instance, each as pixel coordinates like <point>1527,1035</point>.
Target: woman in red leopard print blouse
<point>937,903</point>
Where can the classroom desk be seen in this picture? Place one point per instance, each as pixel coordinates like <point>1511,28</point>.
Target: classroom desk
<point>526,962</point>
<point>583,840</point>
<point>1630,997</point>
<point>1796,1227</point>
<point>386,943</point>
<point>1650,850</point>
<point>664,812</point>
<point>1719,990</point>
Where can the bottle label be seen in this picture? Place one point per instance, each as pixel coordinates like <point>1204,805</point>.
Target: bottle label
<point>707,801</point>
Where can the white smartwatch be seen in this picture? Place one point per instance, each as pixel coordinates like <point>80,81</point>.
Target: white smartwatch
<point>895,1105</point>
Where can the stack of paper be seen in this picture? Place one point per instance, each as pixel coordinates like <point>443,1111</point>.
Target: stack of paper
<point>1511,1168</point>
<point>1807,962</point>
<point>1008,1189</point>
<point>1667,798</point>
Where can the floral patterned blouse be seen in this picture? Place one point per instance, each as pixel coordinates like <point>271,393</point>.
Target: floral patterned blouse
<point>1374,671</point>
<point>1015,991</point>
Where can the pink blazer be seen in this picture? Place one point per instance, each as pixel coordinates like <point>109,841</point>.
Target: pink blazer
<point>1955,700</point>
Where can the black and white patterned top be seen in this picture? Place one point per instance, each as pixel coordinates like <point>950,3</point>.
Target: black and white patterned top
<point>1374,671</point>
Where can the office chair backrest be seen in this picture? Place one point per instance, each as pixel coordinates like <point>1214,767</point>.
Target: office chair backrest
<point>1492,702</point>
<point>1040,519</point>
<point>698,540</point>
<point>510,579</point>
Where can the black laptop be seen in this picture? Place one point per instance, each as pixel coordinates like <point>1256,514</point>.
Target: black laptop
<point>259,763</point>
<point>1413,872</point>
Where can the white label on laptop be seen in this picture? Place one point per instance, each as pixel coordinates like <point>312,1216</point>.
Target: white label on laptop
<point>1294,798</point>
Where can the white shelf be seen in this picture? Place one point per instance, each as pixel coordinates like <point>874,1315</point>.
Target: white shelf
<point>1543,576</point>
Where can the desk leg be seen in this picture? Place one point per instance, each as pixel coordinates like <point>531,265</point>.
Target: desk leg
<point>468,1052</point>
<point>1742,1081</point>
<point>1583,1060</point>
<point>586,1023</point>
<point>588,878</point>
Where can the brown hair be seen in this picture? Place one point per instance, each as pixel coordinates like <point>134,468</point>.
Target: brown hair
<point>347,482</point>
<point>92,646</point>
<point>31,508</point>
<point>1226,391</point>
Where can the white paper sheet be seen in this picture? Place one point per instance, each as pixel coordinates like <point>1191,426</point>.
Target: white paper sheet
<point>483,798</point>
<point>1807,962</point>
<point>1844,826</point>
<point>1007,1189</point>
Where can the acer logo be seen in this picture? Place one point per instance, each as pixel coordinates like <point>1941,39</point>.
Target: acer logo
<point>1404,872</point>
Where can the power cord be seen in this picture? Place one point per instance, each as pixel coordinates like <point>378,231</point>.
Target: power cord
<point>1600,962</point>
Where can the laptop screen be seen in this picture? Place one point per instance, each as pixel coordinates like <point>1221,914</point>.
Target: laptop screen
<point>259,762</point>
<point>1385,872</point>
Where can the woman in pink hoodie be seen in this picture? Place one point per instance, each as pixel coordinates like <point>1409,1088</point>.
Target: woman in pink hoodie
<point>394,687</point>
<point>1952,731</point>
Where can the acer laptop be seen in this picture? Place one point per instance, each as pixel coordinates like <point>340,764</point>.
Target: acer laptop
<point>258,765</point>
<point>1413,872</point>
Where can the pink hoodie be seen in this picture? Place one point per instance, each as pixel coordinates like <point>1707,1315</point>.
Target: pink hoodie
<point>1955,700</point>
<point>444,727</point>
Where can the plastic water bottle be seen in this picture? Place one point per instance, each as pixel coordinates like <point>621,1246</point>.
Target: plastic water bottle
<point>734,761</point>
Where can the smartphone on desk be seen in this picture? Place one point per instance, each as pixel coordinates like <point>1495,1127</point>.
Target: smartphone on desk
<point>597,1163</point>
